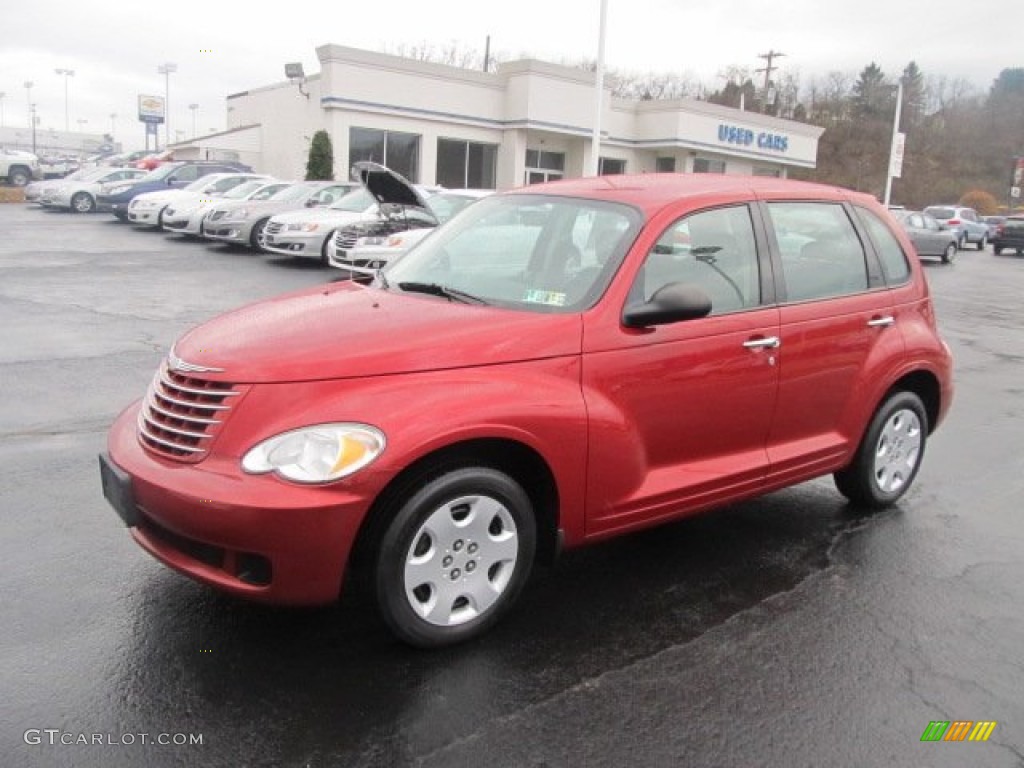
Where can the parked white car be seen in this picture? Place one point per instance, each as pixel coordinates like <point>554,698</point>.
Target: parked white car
<point>147,209</point>
<point>365,247</point>
<point>187,216</point>
<point>35,191</point>
<point>18,167</point>
<point>79,194</point>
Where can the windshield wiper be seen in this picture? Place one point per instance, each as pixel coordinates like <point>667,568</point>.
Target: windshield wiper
<point>436,289</point>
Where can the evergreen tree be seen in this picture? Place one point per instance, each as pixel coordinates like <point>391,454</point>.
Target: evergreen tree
<point>320,166</point>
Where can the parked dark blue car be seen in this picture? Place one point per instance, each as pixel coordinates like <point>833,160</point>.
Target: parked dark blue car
<point>116,197</point>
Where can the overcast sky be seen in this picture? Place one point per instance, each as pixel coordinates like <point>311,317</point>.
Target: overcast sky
<point>225,46</point>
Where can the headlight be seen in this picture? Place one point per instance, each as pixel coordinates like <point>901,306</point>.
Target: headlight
<point>136,203</point>
<point>372,240</point>
<point>236,215</point>
<point>307,226</point>
<point>318,454</point>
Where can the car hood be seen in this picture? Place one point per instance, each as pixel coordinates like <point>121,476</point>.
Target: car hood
<point>345,330</point>
<point>385,185</point>
<point>319,215</point>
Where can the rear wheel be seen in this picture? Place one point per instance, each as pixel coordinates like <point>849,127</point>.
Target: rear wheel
<point>889,455</point>
<point>82,202</point>
<point>983,242</point>
<point>324,258</point>
<point>949,254</point>
<point>455,557</point>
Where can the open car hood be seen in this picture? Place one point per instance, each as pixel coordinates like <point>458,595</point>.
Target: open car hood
<point>385,185</point>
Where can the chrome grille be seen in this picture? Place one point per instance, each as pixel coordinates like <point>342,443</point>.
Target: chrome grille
<point>182,414</point>
<point>344,240</point>
<point>274,227</point>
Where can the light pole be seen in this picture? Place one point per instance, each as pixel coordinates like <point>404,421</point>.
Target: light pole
<point>34,119</point>
<point>595,136</point>
<point>28,97</point>
<point>895,146</point>
<point>67,73</point>
<point>167,69</point>
<point>193,107</point>
<point>113,123</point>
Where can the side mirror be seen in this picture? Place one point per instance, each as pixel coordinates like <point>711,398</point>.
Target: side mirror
<point>671,303</point>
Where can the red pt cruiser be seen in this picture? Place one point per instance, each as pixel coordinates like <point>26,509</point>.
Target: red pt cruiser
<point>554,366</point>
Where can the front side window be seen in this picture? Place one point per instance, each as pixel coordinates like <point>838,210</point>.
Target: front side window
<point>821,253</point>
<point>894,261</point>
<point>713,250</point>
<point>536,253</point>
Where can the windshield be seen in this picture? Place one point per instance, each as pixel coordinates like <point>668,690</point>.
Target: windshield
<point>536,253</point>
<point>157,174</point>
<point>200,184</point>
<point>356,201</point>
<point>295,193</point>
<point>941,213</point>
<point>244,189</point>
<point>444,206</point>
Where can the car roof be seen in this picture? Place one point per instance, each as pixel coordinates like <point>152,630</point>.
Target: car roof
<point>652,191</point>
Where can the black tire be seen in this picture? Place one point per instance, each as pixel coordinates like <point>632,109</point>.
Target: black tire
<point>19,176</point>
<point>324,258</point>
<point>889,455</point>
<point>82,202</point>
<point>121,216</point>
<point>256,234</point>
<point>949,254</point>
<point>160,218</point>
<point>983,242</point>
<point>479,545</point>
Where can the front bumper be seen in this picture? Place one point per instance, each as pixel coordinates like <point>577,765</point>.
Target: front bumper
<point>296,243</point>
<point>185,223</point>
<point>146,217</point>
<point>252,536</point>
<point>237,232</point>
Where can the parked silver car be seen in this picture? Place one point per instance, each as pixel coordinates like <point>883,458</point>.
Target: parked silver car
<point>187,216</point>
<point>970,227</point>
<point>930,237</point>
<point>242,222</point>
<point>79,194</point>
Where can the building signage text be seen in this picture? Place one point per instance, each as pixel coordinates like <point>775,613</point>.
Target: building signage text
<point>744,137</point>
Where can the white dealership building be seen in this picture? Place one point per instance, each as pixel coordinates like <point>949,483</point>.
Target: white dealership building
<point>528,121</point>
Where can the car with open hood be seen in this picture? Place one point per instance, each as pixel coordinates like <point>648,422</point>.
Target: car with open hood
<point>366,246</point>
<point>187,216</point>
<point>554,366</point>
<point>383,196</point>
<point>243,222</point>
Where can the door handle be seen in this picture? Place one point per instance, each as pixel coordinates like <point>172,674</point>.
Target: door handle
<point>768,342</point>
<point>881,322</point>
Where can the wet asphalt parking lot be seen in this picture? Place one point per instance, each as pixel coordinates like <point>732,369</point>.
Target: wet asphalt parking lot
<point>785,631</point>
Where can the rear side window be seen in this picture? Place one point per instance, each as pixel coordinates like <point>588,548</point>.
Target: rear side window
<point>821,253</point>
<point>894,261</point>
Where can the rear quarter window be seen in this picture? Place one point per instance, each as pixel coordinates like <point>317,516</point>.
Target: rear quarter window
<point>890,253</point>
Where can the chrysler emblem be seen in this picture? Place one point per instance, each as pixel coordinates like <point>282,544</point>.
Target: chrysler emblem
<point>175,363</point>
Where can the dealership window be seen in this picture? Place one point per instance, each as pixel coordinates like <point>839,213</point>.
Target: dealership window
<point>398,151</point>
<point>610,166</point>
<point>544,166</point>
<point>704,165</point>
<point>773,173</point>
<point>466,164</point>
<point>665,165</point>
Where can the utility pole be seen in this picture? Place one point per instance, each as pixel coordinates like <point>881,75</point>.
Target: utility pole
<point>767,69</point>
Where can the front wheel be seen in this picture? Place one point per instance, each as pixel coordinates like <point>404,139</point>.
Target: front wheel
<point>19,176</point>
<point>889,455</point>
<point>256,238</point>
<point>82,202</point>
<point>455,557</point>
<point>949,254</point>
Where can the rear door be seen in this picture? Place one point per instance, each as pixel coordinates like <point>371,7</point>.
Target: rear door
<point>835,317</point>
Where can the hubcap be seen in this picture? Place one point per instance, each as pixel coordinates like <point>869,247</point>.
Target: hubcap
<point>461,560</point>
<point>898,451</point>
